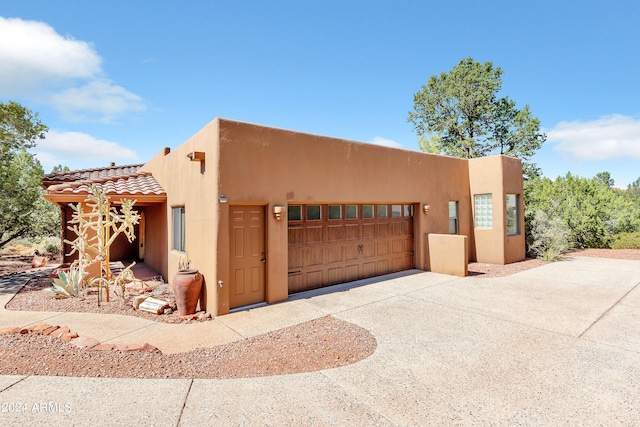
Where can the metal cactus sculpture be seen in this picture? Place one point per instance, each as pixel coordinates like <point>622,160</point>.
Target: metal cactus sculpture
<point>96,230</point>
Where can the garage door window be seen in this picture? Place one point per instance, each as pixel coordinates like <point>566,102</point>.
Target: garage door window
<point>351,211</point>
<point>367,211</point>
<point>294,213</point>
<point>408,210</point>
<point>335,212</point>
<point>382,211</point>
<point>314,212</point>
<point>396,210</point>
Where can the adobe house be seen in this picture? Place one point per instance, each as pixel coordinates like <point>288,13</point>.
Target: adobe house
<point>265,212</point>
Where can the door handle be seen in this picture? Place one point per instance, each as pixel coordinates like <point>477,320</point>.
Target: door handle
<point>263,260</point>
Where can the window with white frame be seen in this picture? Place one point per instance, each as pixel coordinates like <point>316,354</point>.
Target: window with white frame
<point>178,229</point>
<point>314,212</point>
<point>453,217</point>
<point>513,224</point>
<point>483,205</point>
<point>335,211</point>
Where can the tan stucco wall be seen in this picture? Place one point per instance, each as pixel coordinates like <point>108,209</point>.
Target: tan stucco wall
<point>194,186</point>
<point>267,166</point>
<point>515,246</point>
<point>257,165</point>
<point>449,254</point>
<point>497,175</point>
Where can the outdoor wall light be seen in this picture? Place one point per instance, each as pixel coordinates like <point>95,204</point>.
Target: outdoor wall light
<point>222,199</point>
<point>196,156</point>
<point>425,208</point>
<point>278,212</point>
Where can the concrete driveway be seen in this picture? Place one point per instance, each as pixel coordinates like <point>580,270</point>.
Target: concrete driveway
<point>556,345</point>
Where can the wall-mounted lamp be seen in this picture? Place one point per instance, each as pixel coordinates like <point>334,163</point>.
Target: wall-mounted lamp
<point>278,212</point>
<point>222,199</point>
<point>196,156</point>
<point>425,208</point>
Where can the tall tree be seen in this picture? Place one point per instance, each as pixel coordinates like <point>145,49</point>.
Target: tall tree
<point>605,178</point>
<point>633,189</point>
<point>23,210</point>
<point>458,113</point>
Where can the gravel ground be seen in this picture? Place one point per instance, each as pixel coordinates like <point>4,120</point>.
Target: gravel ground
<point>33,297</point>
<point>320,344</point>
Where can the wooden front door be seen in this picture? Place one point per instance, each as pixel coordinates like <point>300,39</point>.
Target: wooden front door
<point>247,254</point>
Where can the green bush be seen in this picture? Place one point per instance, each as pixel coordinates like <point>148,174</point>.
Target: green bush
<point>52,245</point>
<point>625,241</point>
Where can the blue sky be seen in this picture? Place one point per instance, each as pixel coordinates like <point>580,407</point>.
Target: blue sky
<point>120,80</point>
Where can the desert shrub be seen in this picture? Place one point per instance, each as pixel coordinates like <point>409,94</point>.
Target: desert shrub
<point>549,236</point>
<point>625,241</point>
<point>18,247</point>
<point>52,245</point>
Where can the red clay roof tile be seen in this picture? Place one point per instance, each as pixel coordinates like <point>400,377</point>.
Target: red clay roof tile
<point>118,180</point>
<point>89,174</point>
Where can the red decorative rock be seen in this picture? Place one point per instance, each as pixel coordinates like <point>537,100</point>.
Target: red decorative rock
<point>39,327</point>
<point>60,332</point>
<point>140,347</point>
<point>49,330</point>
<point>68,336</point>
<point>85,342</point>
<point>7,331</point>
<point>104,347</point>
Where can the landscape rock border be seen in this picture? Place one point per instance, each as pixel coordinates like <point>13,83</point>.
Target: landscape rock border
<point>65,334</point>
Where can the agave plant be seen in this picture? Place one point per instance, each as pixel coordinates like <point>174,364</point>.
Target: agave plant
<point>68,284</point>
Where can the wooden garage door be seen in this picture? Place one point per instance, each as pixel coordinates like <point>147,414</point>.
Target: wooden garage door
<point>331,244</point>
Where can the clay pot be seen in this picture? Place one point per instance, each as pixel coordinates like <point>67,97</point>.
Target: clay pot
<point>186,287</point>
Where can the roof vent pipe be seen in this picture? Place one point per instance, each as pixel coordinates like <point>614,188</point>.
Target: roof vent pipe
<point>112,164</point>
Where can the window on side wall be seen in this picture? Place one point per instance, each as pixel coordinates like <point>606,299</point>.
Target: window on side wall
<point>513,225</point>
<point>178,229</point>
<point>483,210</point>
<point>453,217</point>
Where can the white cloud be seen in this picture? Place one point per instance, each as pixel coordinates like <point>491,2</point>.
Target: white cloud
<point>99,96</point>
<point>610,137</point>
<point>36,54</point>
<point>76,149</point>
<point>60,71</point>
<point>378,140</point>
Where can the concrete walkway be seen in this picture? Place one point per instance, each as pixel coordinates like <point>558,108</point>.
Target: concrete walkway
<point>555,345</point>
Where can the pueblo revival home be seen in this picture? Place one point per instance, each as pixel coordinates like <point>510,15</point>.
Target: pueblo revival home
<point>263,213</point>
